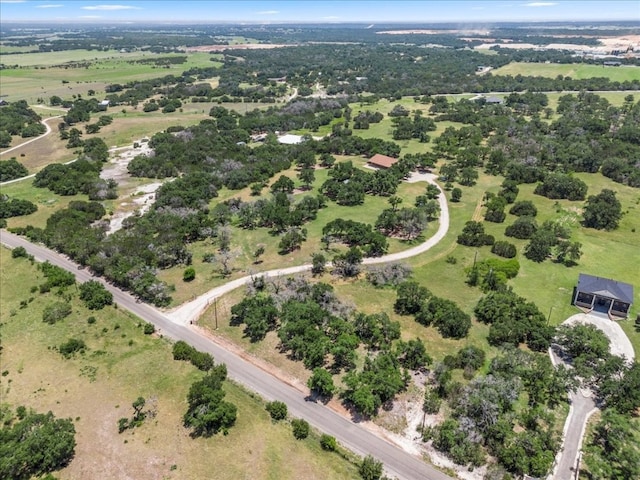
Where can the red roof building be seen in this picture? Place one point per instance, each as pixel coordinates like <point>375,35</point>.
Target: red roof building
<point>382,161</point>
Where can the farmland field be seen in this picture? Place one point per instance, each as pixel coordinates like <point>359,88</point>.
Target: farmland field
<point>42,75</point>
<point>576,70</point>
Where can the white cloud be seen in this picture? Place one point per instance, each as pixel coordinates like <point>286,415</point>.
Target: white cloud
<point>268,12</point>
<point>540,4</point>
<point>49,6</point>
<point>110,7</point>
<point>12,1</point>
<point>331,17</point>
<point>91,17</point>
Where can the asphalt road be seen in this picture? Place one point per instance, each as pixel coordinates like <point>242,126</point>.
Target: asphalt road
<point>353,436</point>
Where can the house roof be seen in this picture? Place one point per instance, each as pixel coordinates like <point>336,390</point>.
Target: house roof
<point>382,160</point>
<point>606,287</point>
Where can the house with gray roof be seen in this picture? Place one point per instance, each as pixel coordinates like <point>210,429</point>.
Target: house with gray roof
<point>603,295</point>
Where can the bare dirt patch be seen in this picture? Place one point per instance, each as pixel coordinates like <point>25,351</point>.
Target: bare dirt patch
<point>134,197</point>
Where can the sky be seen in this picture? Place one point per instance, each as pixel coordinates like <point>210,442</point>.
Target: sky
<point>266,11</point>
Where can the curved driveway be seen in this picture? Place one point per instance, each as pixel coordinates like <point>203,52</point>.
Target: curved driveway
<point>582,404</point>
<point>189,312</point>
<point>353,436</point>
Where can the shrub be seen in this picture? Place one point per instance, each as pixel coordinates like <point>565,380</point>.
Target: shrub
<point>189,274</point>
<point>18,252</point>
<point>370,468</point>
<point>523,228</point>
<point>55,312</point>
<point>328,443</point>
<point>149,328</point>
<point>388,274</point>
<point>504,249</point>
<point>91,320</point>
<point>300,428</point>
<point>94,295</point>
<point>71,347</point>
<point>524,208</point>
<point>277,409</point>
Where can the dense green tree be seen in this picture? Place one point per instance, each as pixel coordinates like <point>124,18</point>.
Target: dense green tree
<point>208,412</point>
<point>277,409</point>
<point>11,169</point>
<point>602,211</point>
<point>300,428</point>
<point>370,468</point>
<point>613,451</point>
<point>410,297</point>
<point>94,295</point>
<point>35,444</point>
<point>321,382</point>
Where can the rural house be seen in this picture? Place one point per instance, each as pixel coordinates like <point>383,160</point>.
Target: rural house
<point>603,295</point>
<point>382,161</point>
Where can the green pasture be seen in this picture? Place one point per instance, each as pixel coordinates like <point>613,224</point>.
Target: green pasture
<point>574,70</point>
<point>42,80</point>
<point>245,242</point>
<point>97,388</point>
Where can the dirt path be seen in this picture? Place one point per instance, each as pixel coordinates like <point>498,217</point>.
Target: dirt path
<point>476,213</point>
<point>31,140</point>
<point>190,312</point>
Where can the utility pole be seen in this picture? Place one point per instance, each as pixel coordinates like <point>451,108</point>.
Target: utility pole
<point>215,311</point>
<point>549,317</point>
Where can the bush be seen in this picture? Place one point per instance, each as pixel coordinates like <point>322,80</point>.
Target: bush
<point>189,274</point>
<point>300,428</point>
<point>504,249</point>
<point>524,208</point>
<point>149,328</point>
<point>277,409</point>
<point>523,228</point>
<point>94,295</point>
<point>71,347</point>
<point>370,468</point>
<point>328,443</point>
<point>55,312</point>
<point>18,252</point>
<point>388,274</point>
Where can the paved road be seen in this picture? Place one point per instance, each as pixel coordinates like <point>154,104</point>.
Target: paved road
<point>582,403</point>
<point>353,436</point>
<point>191,311</point>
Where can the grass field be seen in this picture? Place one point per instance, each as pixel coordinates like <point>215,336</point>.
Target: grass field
<point>97,388</point>
<point>42,74</point>
<point>575,70</point>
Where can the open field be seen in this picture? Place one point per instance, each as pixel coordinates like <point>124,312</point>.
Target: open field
<point>246,241</point>
<point>33,81</point>
<point>97,388</point>
<point>576,71</point>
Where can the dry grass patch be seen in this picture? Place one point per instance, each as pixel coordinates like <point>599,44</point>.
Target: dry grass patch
<point>97,388</point>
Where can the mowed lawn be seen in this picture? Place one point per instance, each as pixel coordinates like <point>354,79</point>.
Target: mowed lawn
<point>97,388</point>
<point>574,70</point>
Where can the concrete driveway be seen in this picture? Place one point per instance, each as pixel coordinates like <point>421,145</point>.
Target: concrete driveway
<point>582,405</point>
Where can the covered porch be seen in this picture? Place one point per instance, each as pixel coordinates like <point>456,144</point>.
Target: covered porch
<point>603,295</point>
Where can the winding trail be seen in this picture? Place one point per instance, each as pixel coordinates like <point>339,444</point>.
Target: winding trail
<point>582,403</point>
<point>49,130</point>
<point>189,312</point>
<point>357,436</point>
